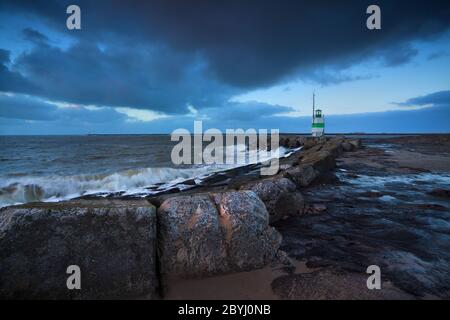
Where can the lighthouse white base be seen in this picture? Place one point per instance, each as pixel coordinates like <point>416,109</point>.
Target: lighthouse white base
<point>318,132</point>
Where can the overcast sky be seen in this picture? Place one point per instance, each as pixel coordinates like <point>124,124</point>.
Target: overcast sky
<point>154,66</point>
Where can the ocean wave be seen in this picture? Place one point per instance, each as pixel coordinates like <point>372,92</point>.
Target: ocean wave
<point>27,189</point>
<point>23,189</point>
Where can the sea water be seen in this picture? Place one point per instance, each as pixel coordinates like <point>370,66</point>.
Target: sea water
<point>55,168</point>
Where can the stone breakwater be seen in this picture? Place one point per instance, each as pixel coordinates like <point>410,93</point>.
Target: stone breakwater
<point>127,248</point>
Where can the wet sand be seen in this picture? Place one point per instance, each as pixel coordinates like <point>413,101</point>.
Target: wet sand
<point>253,285</point>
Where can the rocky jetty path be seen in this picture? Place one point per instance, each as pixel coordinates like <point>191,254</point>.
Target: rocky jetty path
<point>127,247</point>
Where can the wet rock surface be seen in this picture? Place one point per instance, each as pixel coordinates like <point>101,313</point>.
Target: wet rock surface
<point>280,196</point>
<point>302,175</point>
<point>332,284</point>
<point>206,234</point>
<point>113,243</point>
<point>380,212</point>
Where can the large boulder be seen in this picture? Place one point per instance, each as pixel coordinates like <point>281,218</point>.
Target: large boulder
<point>311,142</point>
<point>334,146</point>
<point>322,160</point>
<point>347,146</point>
<point>207,234</point>
<point>295,142</point>
<point>301,175</point>
<point>280,196</point>
<point>112,242</point>
<point>356,143</point>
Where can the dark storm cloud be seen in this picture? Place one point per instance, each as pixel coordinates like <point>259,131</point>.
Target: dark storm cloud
<point>34,35</point>
<point>398,55</point>
<point>144,77</point>
<point>440,98</point>
<point>247,111</point>
<point>4,56</point>
<point>256,43</point>
<point>22,107</point>
<point>332,77</point>
<point>12,81</point>
<point>163,55</point>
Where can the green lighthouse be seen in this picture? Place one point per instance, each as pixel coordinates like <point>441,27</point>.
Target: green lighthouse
<point>318,123</point>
